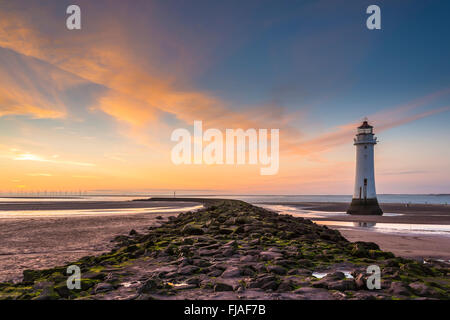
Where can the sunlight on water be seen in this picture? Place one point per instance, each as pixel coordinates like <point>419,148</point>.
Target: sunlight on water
<point>73,198</point>
<point>428,229</point>
<point>91,212</point>
<point>320,275</point>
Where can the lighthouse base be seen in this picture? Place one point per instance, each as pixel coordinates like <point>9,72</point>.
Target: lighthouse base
<point>365,207</point>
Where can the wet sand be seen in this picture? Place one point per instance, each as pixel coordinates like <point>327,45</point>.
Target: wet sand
<point>414,214</point>
<point>415,246</point>
<point>85,205</point>
<point>43,242</point>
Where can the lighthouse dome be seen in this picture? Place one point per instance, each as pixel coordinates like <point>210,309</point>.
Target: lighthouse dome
<point>365,128</point>
<point>364,125</point>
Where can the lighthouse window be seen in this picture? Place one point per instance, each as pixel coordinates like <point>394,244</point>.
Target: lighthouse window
<point>365,147</point>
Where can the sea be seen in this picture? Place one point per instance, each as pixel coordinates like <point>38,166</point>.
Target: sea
<point>382,198</point>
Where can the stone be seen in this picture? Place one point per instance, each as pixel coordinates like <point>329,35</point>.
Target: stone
<point>342,285</point>
<point>225,230</point>
<point>398,289</point>
<point>231,272</point>
<point>248,271</point>
<point>103,287</point>
<point>231,244</point>
<point>248,258</point>
<point>48,294</point>
<point>263,281</point>
<point>149,286</point>
<point>271,285</point>
<point>364,295</point>
<point>228,252</point>
<point>422,289</point>
<point>94,275</point>
<point>208,252</point>
<point>269,255</point>
<point>30,275</point>
<point>360,281</point>
<point>359,251</point>
<point>185,261</point>
<point>195,280</point>
<point>215,273</point>
<point>220,286</point>
<point>202,263</point>
<point>62,290</point>
<point>42,285</point>
<point>286,286</point>
<point>188,241</point>
<point>188,270</point>
<point>277,270</point>
<point>329,279</point>
<point>192,230</point>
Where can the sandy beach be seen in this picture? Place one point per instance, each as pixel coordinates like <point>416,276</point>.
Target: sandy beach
<point>59,232</point>
<point>46,240</point>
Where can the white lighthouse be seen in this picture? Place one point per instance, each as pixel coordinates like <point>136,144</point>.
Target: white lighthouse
<point>364,201</point>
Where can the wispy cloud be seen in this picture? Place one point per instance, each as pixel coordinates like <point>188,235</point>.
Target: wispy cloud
<point>16,154</point>
<point>383,120</point>
<point>408,172</point>
<point>39,175</point>
<point>34,157</point>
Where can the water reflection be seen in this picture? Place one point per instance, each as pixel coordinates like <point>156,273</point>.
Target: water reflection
<point>364,224</point>
<point>94,212</point>
<point>404,228</point>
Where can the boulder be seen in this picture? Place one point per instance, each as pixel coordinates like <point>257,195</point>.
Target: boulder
<point>188,270</point>
<point>422,289</point>
<point>149,286</point>
<point>277,270</point>
<point>269,255</point>
<point>48,294</point>
<point>220,286</point>
<point>264,282</point>
<point>248,258</point>
<point>190,229</point>
<point>231,272</point>
<point>103,287</point>
<point>398,289</point>
<point>342,285</point>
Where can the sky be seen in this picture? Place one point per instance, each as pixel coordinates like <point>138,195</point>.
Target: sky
<point>94,109</point>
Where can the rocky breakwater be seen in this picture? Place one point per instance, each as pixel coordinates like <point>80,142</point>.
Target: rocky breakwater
<point>233,250</point>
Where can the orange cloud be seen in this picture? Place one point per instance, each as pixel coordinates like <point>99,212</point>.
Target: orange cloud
<point>137,95</point>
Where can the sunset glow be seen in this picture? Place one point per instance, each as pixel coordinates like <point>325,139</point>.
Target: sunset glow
<point>94,109</point>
